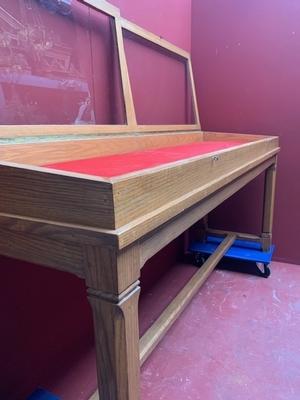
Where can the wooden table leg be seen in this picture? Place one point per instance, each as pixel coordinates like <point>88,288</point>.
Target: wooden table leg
<point>117,344</point>
<point>113,292</point>
<point>268,206</point>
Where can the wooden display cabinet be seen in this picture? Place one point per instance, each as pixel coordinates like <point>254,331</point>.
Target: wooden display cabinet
<point>104,228</point>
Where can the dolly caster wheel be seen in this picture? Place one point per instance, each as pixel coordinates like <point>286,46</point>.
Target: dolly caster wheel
<point>267,271</point>
<point>199,260</point>
<point>264,270</point>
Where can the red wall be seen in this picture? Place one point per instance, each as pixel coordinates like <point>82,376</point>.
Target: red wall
<point>246,58</point>
<point>170,19</point>
<point>46,320</point>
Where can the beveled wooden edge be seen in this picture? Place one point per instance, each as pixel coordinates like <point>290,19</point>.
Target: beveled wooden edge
<point>131,125</point>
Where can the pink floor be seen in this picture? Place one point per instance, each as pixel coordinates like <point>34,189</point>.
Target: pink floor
<point>239,339</point>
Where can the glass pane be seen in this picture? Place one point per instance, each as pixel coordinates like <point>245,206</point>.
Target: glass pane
<point>58,64</point>
<point>160,84</point>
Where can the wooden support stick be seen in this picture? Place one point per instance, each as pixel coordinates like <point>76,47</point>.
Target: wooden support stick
<point>127,93</point>
<point>268,207</point>
<point>156,332</point>
<point>205,221</point>
<point>193,89</point>
<point>239,235</point>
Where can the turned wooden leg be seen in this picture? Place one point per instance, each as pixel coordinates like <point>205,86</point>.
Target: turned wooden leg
<point>268,207</point>
<point>117,344</point>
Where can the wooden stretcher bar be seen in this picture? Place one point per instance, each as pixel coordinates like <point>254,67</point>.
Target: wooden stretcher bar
<point>155,333</point>
<point>239,235</point>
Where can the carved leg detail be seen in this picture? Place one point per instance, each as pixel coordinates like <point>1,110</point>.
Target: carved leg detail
<point>117,343</point>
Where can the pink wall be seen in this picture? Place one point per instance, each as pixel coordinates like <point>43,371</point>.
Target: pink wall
<point>46,320</point>
<point>246,61</point>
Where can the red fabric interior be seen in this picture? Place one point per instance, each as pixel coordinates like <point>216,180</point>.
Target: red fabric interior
<point>120,164</point>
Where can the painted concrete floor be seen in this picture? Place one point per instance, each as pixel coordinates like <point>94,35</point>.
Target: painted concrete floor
<point>239,339</point>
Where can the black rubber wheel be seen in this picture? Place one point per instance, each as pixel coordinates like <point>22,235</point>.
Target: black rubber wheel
<point>198,259</point>
<point>264,270</point>
<point>267,271</point>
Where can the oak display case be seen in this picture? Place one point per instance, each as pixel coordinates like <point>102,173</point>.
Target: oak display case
<point>99,201</point>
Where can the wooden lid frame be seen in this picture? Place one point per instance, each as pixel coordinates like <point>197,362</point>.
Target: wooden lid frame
<point>131,126</point>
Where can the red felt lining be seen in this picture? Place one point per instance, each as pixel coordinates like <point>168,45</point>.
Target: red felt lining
<point>120,164</point>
